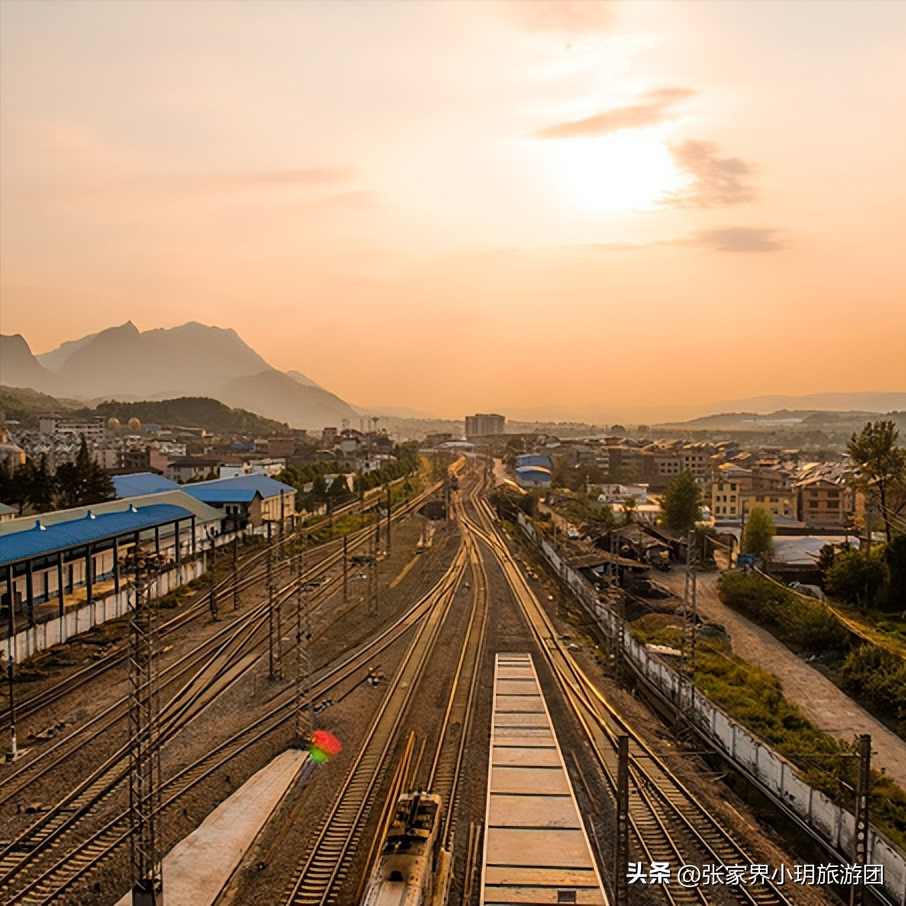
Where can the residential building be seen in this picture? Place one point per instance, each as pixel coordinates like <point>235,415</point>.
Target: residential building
<point>484,425</point>
<point>191,468</point>
<point>822,502</point>
<point>727,491</point>
<point>281,446</point>
<point>779,503</point>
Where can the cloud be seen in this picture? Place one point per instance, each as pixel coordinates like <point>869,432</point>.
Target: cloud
<point>740,239</point>
<point>359,200</point>
<point>312,176</point>
<point>654,109</point>
<point>569,16</point>
<point>716,180</point>
<point>721,239</point>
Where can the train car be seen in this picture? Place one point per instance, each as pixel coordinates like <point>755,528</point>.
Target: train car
<point>404,874</point>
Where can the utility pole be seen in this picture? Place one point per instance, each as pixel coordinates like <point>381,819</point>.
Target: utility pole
<point>303,654</point>
<point>11,678</point>
<point>236,572</point>
<point>372,578</point>
<point>345,569</point>
<point>213,598</point>
<point>389,496</point>
<point>860,839</point>
<point>686,701</point>
<point>272,674</point>
<point>621,835</point>
<point>144,748</point>
<point>278,607</point>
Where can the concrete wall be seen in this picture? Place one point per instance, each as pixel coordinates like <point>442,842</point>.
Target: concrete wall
<point>28,642</point>
<point>770,771</point>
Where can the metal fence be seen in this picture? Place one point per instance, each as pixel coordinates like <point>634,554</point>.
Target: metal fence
<point>770,772</point>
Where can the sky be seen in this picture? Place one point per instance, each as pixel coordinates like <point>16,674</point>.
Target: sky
<point>461,206</point>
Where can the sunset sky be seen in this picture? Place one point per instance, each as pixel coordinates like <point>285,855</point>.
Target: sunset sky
<point>457,206</point>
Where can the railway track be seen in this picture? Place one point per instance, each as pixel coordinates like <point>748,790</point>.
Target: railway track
<point>57,863</point>
<point>45,761</point>
<point>668,823</point>
<point>251,573</point>
<point>217,668</point>
<point>324,866</point>
<point>443,776</point>
<point>324,870</point>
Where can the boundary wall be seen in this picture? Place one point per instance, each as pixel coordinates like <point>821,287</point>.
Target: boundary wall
<point>770,772</point>
<point>28,642</point>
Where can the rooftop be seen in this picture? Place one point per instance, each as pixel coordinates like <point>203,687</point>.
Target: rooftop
<point>44,539</point>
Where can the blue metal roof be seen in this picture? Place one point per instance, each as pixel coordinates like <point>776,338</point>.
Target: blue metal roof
<point>533,470</point>
<point>533,459</point>
<point>241,489</point>
<point>141,483</point>
<point>48,539</point>
<point>222,495</point>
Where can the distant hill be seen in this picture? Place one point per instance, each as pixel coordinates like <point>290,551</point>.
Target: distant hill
<point>274,394</point>
<point>54,360</point>
<point>818,402</point>
<point>805,419</point>
<point>20,368</point>
<point>23,405</point>
<point>192,360</point>
<point>191,412</point>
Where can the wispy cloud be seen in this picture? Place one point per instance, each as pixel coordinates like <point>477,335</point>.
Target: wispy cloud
<point>720,239</point>
<point>656,107</point>
<point>313,176</point>
<point>568,16</point>
<point>716,180</point>
<point>310,177</point>
<point>740,239</point>
<point>360,200</point>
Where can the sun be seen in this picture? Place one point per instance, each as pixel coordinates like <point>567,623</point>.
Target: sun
<point>625,171</point>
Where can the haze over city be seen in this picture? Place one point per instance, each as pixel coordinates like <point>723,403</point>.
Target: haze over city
<point>458,206</point>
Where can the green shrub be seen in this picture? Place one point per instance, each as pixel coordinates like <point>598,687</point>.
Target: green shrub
<point>879,677</point>
<point>805,624</point>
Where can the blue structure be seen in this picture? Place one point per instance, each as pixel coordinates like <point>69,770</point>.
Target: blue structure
<point>533,477</point>
<point>48,561</point>
<point>140,483</point>
<point>247,498</point>
<point>534,459</point>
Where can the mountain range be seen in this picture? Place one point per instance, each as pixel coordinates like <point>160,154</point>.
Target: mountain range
<point>125,363</point>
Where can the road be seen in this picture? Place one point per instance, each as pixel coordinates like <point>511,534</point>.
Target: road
<point>817,697</point>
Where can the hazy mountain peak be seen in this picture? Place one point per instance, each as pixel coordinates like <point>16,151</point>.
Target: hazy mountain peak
<point>304,380</point>
<point>192,359</point>
<point>20,368</point>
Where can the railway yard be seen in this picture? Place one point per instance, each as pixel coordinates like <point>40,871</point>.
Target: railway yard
<point>400,666</point>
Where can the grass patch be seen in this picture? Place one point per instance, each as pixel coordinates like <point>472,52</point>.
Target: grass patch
<point>802,623</point>
<point>755,699</point>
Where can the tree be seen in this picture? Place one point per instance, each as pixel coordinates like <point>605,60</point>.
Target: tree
<point>14,486</point>
<point>895,560</point>
<point>759,533</point>
<point>681,505</point>
<point>856,577</point>
<point>41,491</point>
<point>339,489</point>
<point>83,482</point>
<point>630,509</point>
<point>881,465</point>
